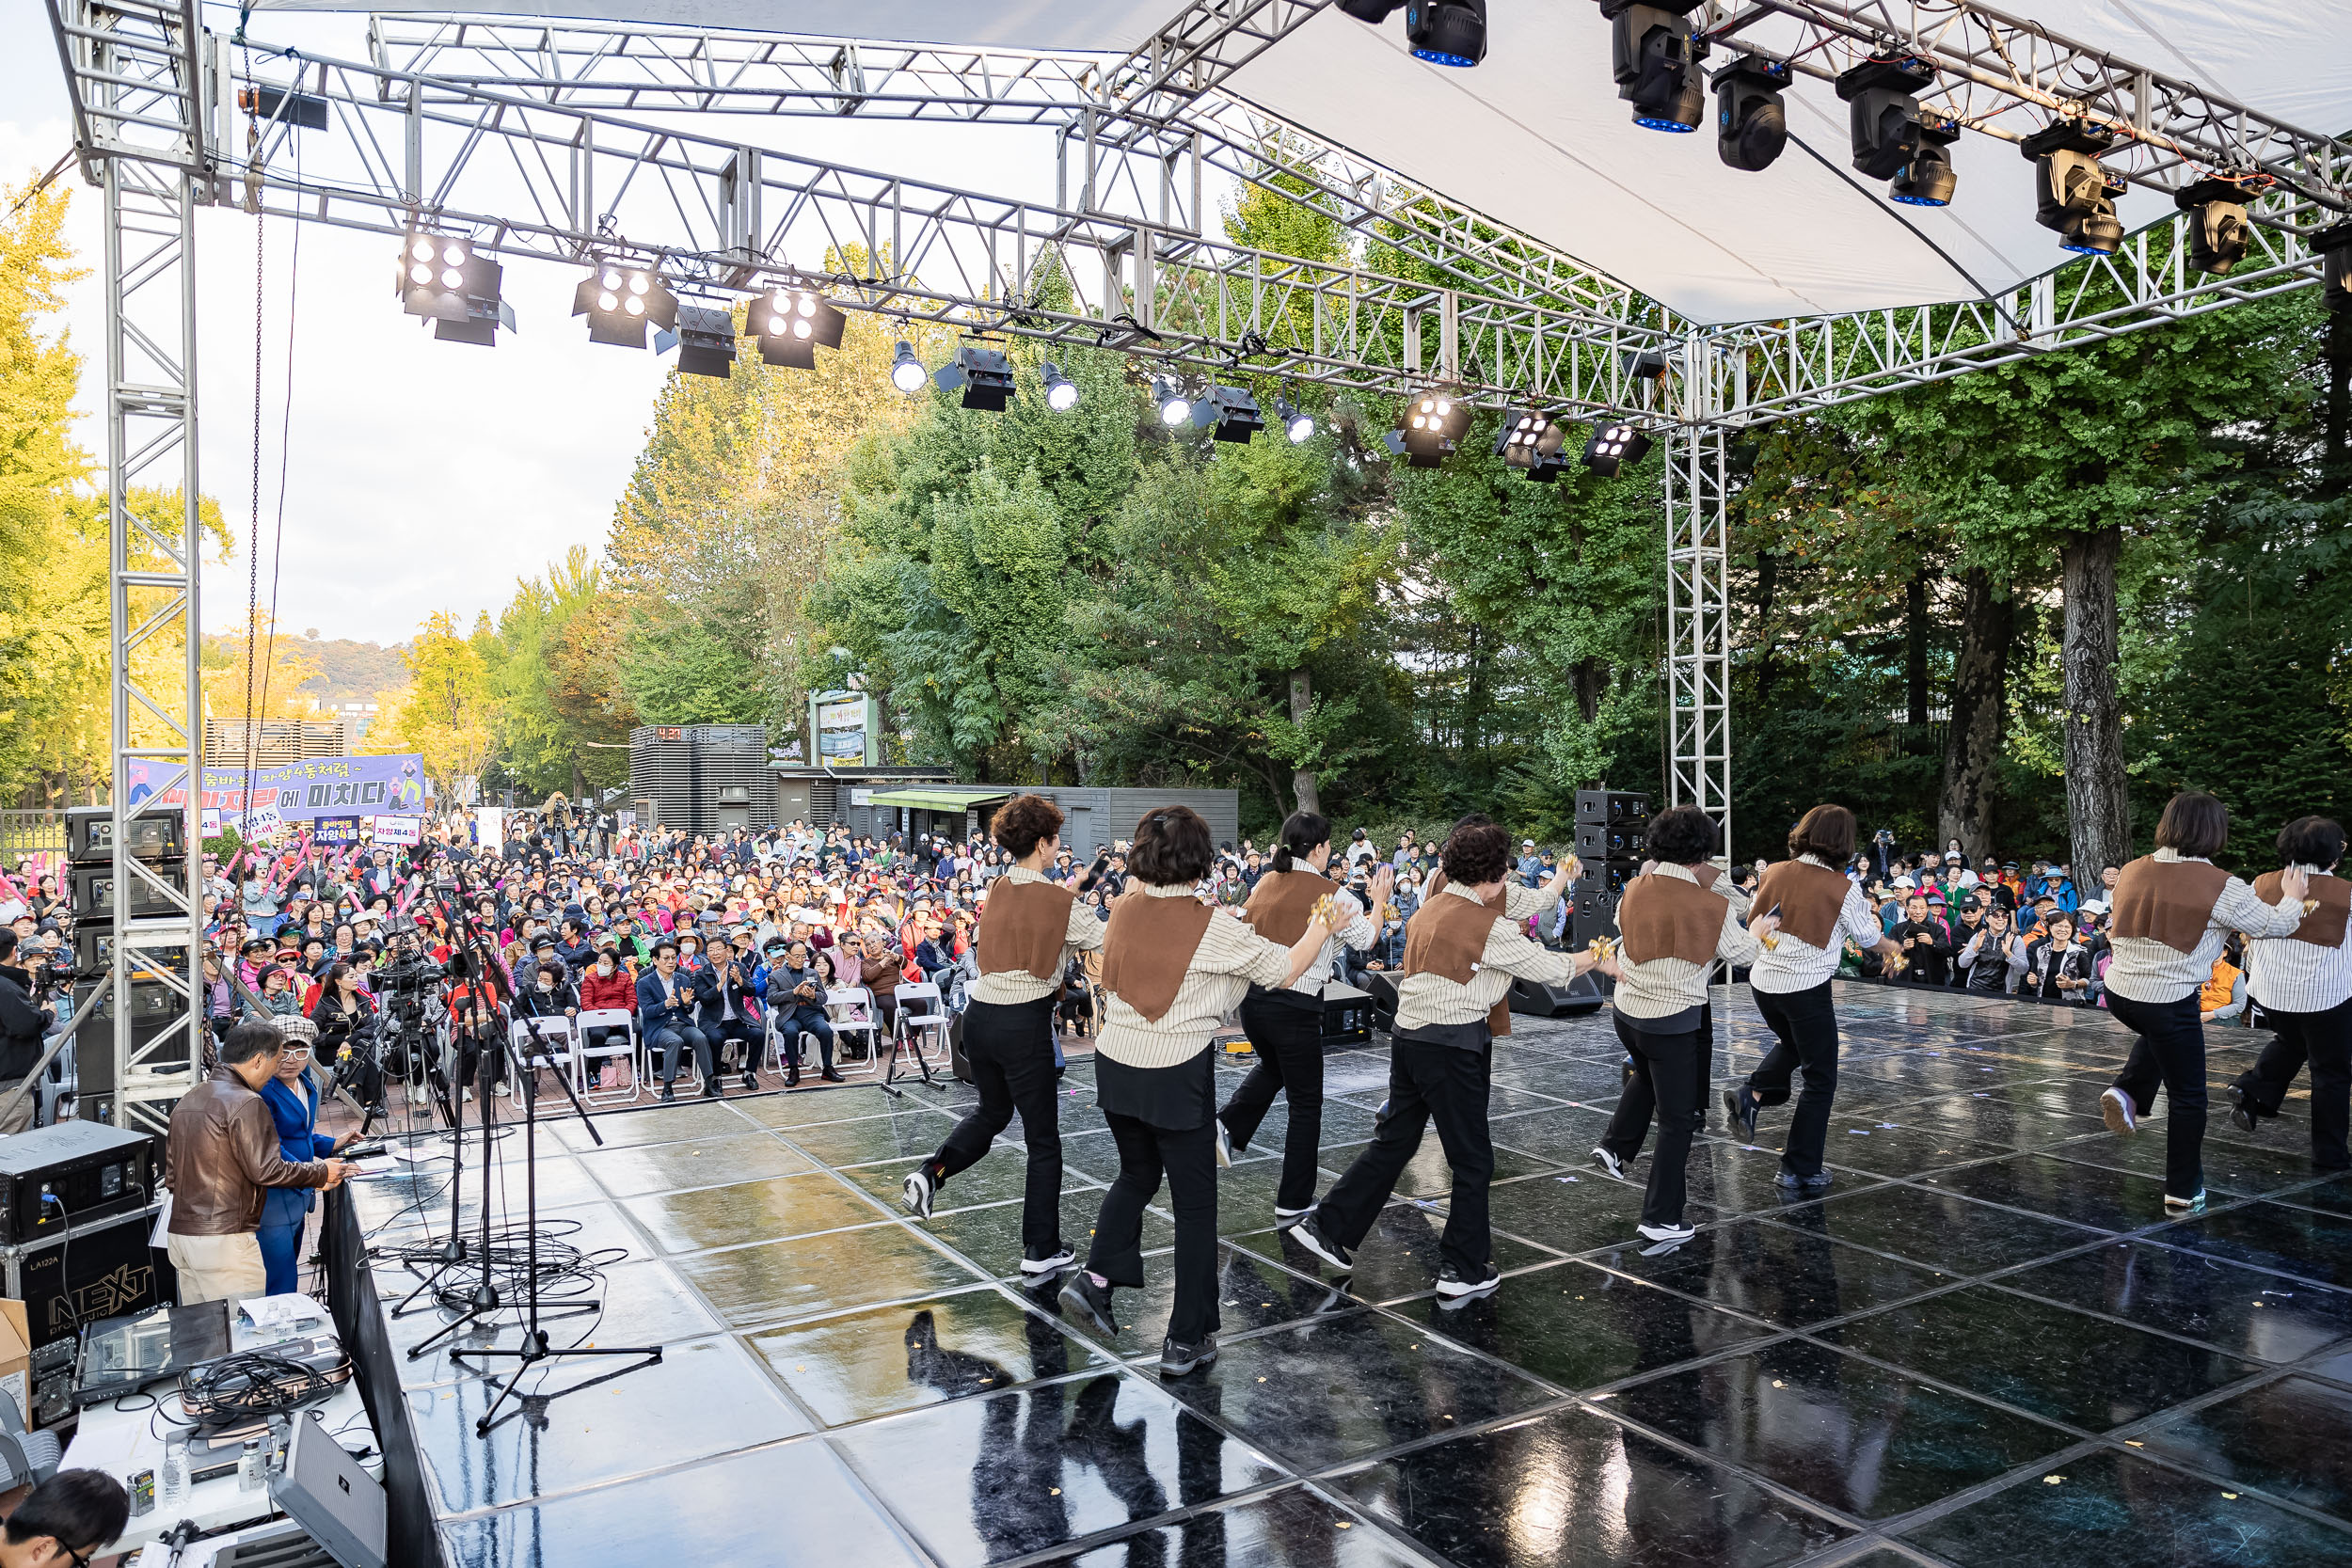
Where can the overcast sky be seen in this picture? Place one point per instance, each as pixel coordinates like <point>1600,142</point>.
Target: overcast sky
<point>419,475</point>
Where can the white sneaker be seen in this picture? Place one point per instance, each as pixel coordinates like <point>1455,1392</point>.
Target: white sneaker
<point>2184,1205</point>
<point>1224,1144</point>
<point>2117,1107</point>
<point>1285,1218</point>
<point>1610,1163</point>
<point>916,1194</point>
<point>1061,1260</point>
<point>1675,1233</point>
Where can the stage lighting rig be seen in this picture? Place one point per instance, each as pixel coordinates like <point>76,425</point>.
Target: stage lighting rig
<point>1167,396</point>
<point>618,301</point>
<point>1892,140</point>
<point>2333,247</point>
<point>2219,232</point>
<point>1296,422</point>
<point>1061,393</point>
<point>444,281</point>
<point>906,372</point>
<point>793,324</point>
<point>2073,193</point>
<point>1615,446</point>
<point>1434,425</point>
<point>1655,56</point>
<point>1751,121</point>
<point>1443,32</point>
<point>982,375</point>
<point>1228,414</point>
<point>1646,364</point>
<point>705,340</point>
<point>1530,441</point>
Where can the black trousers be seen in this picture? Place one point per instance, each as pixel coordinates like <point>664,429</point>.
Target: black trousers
<point>1289,1044</point>
<point>1427,1082</point>
<point>2325,1040</point>
<point>719,1031</point>
<point>669,1040</point>
<point>1188,1162</point>
<point>1804,1029</point>
<point>2169,1052</point>
<point>792,1022</point>
<point>1665,1086</point>
<point>1011,1051</point>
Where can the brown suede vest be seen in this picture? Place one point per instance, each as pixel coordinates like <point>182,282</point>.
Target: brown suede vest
<point>1809,899</point>
<point>2324,926</point>
<point>1283,903</point>
<point>2171,901</point>
<point>1023,927</point>
<point>1148,946</point>
<point>1447,937</point>
<point>1665,917</point>
<point>1502,895</point>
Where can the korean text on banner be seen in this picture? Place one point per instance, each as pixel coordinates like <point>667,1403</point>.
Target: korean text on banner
<point>298,791</point>
<point>399,829</point>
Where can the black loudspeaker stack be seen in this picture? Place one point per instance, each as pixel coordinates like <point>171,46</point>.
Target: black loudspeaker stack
<point>1610,829</point>
<point>159,840</point>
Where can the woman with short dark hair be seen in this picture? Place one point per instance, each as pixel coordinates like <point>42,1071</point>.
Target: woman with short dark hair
<point>1172,968</point>
<point>2173,911</point>
<point>2303,983</point>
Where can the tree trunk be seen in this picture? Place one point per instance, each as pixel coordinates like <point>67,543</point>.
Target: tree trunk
<point>1972,740</point>
<point>580,782</point>
<point>1916,649</point>
<point>1302,704</point>
<point>1589,679</point>
<point>2098,811</point>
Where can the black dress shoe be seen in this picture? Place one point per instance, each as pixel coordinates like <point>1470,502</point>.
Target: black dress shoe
<point>1789,1182</point>
<point>669,1093</point>
<point>1177,1359</point>
<point>751,1078</point>
<point>831,1077</point>
<point>2242,1114</point>
<point>710,1087</point>
<point>1090,1302</point>
<point>792,1076</point>
<point>1740,1104</point>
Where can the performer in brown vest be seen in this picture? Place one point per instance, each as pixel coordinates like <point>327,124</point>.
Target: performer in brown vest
<point>1820,911</point>
<point>1674,931</point>
<point>1172,968</point>
<point>2173,911</point>
<point>2303,983</point>
<point>1285,1024</point>
<point>1461,952</point>
<point>1028,928</point>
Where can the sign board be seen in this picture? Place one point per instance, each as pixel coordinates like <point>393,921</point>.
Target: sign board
<point>861,796</point>
<point>260,822</point>
<point>669,732</point>
<point>844,724</point>
<point>297,792</point>
<point>335,829</point>
<point>399,829</point>
<point>489,827</point>
<point>212,824</point>
<point>624,818</point>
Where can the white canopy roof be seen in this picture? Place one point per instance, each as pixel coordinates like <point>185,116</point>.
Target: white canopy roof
<point>1537,137</point>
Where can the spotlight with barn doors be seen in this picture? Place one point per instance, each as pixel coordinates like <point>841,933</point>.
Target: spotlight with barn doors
<point>983,375</point>
<point>442,281</point>
<point>793,324</point>
<point>1443,32</point>
<point>1175,408</point>
<point>1228,413</point>
<point>2073,193</point>
<point>1530,441</point>
<point>1296,422</point>
<point>1655,56</point>
<point>1434,423</point>
<point>1751,121</point>
<point>906,372</point>
<point>1613,446</point>
<point>1061,393</point>
<point>705,340</point>
<point>618,301</point>
<point>2219,232</point>
<point>1893,140</point>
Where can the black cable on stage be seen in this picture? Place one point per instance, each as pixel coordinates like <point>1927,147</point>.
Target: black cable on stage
<point>255,1385</point>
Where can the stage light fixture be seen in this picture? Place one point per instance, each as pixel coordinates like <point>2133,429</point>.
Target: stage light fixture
<point>1371,10</point>
<point>982,375</point>
<point>705,340</point>
<point>1434,424</point>
<point>1751,121</point>
<point>1296,422</point>
<point>1530,441</point>
<point>1175,408</point>
<point>1061,393</point>
<point>1615,446</point>
<point>906,372</point>
<point>2073,193</point>
<point>443,280</point>
<point>2218,231</point>
<point>1228,413</point>
<point>2333,247</point>
<point>618,301</point>
<point>1646,364</point>
<point>793,324</point>
<point>1447,32</point>
<point>1655,56</point>
<point>1892,140</point>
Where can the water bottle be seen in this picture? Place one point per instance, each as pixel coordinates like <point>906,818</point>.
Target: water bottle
<point>250,1466</point>
<point>176,1468</point>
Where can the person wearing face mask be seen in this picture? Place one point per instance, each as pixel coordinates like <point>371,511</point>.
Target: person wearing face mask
<point>607,985</point>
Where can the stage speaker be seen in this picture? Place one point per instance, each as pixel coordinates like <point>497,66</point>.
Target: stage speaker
<point>155,1007</point>
<point>1612,806</point>
<point>1380,985</point>
<point>94,894</point>
<point>1347,1014</point>
<point>98,1269</point>
<point>89,836</point>
<point>1581,996</point>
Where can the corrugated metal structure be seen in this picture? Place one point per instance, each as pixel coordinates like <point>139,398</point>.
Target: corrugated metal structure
<point>276,741</point>
<point>704,778</point>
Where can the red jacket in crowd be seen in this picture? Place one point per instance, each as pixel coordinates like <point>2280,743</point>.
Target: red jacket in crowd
<point>616,989</point>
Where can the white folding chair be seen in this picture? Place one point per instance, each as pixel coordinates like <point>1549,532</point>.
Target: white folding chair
<point>921,1027</point>
<point>557,1036</point>
<point>853,1011</point>
<point>587,1055</point>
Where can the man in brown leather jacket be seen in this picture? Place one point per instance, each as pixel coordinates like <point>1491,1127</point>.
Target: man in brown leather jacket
<point>222,1150</point>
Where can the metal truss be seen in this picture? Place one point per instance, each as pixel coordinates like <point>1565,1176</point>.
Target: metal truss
<point>2008,77</point>
<point>1698,621</point>
<point>140,123</point>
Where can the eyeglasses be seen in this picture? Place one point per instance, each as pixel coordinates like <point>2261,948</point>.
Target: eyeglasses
<point>80,1558</point>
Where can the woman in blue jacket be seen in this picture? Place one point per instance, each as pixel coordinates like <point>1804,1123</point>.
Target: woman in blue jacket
<point>293,1098</point>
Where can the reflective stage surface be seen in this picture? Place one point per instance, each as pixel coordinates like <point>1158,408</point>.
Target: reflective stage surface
<point>1985,1345</point>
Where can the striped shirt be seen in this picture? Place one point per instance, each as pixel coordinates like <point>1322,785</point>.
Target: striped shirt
<point>1664,987</point>
<point>2290,977</point>
<point>1798,965</point>
<point>1519,901</point>
<point>2145,969</point>
<point>1231,958</point>
<point>1357,933</point>
<point>1010,987</point>
<point>1426,1001</point>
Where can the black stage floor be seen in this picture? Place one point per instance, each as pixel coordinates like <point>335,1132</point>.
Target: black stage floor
<point>1986,1346</point>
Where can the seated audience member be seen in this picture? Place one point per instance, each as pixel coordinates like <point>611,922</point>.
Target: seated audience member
<point>2222,998</point>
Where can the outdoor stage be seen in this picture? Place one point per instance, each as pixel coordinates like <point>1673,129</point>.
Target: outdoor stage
<point>1985,1346</point>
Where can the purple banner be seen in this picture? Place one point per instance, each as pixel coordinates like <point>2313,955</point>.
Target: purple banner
<point>299,791</point>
